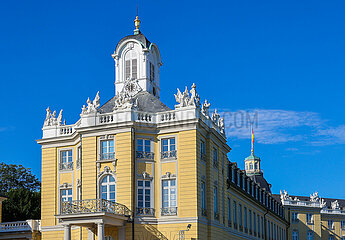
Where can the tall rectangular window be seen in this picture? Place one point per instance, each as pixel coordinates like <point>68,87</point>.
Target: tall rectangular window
<point>144,145</point>
<point>245,219</point>
<point>78,157</point>
<point>152,72</point>
<point>202,150</point>
<point>234,212</point>
<point>66,162</point>
<point>342,224</point>
<point>310,235</point>
<point>107,149</point>
<point>250,221</point>
<point>134,69</point>
<point>168,148</point>
<point>254,223</point>
<point>131,69</point>
<point>128,69</point>
<point>79,192</point>
<point>309,217</point>
<point>262,227</point>
<point>229,212</point>
<point>268,230</point>
<point>203,198</point>
<point>215,157</point>
<point>169,197</point>
<point>330,224</point>
<point>294,217</point>
<point>66,195</point>
<point>331,237</point>
<point>144,197</point>
<point>240,221</point>
<point>216,203</point>
<point>258,217</point>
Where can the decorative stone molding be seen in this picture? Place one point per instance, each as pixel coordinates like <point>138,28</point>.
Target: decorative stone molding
<point>105,137</point>
<point>125,99</point>
<point>51,120</point>
<point>106,171</point>
<point>144,176</point>
<point>78,182</point>
<point>184,100</point>
<point>91,106</point>
<point>65,185</point>
<point>168,175</point>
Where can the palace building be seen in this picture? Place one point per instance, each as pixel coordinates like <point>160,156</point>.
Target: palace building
<point>134,168</point>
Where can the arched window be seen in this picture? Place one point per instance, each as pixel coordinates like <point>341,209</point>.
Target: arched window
<point>108,188</point>
<point>131,65</point>
<point>251,166</point>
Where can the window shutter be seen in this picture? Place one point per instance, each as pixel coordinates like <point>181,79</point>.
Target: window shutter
<point>134,69</point>
<point>128,69</point>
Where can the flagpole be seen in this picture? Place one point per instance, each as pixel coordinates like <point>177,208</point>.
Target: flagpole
<point>252,139</point>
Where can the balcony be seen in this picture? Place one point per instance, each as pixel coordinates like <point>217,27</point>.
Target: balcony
<point>66,166</point>
<point>107,156</point>
<point>145,211</point>
<point>169,154</point>
<point>145,155</point>
<point>169,211</point>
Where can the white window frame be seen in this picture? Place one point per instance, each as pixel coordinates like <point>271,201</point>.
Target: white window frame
<point>67,196</point>
<point>107,184</point>
<point>110,155</point>
<point>131,60</point>
<point>169,188</point>
<point>143,188</point>
<point>69,164</point>
<point>171,155</point>
<point>295,235</point>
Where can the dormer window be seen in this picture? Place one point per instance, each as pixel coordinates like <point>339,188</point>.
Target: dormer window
<point>131,65</point>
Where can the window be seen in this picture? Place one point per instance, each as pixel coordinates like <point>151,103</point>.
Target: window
<point>330,224</point>
<point>330,237</point>
<point>250,221</point>
<point>215,202</point>
<point>245,219</point>
<point>310,235</point>
<point>79,157</point>
<point>203,198</point>
<point>254,223</point>
<point>66,195</point>
<point>108,188</point>
<point>234,212</point>
<point>168,148</point>
<point>295,235</point>
<point>309,217</point>
<point>131,65</point>
<point>262,227</point>
<point>342,224</point>
<point>107,149</point>
<point>169,197</point>
<point>215,157</point>
<point>66,162</point>
<point>256,166</point>
<point>202,150</point>
<point>294,217</point>
<point>240,216</point>
<point>269,230</point>
<point>258,225</point>
<point>144,197</point>
<point>250,166</point>
<point>229,212</point>
<point>144,149</point>
<point>152,72</point>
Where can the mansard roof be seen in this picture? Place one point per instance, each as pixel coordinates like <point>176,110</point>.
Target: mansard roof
<point>261,181</point>
<point>307,199</point>
<point>145,100</point>
<point>139,37</point>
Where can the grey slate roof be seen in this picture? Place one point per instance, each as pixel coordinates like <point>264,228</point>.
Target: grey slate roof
<point>261,181</point>
<point>305,198</point>
<point>146,103</point>
<point>140,37</point>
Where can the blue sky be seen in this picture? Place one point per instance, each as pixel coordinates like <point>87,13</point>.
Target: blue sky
<point>283,60</point>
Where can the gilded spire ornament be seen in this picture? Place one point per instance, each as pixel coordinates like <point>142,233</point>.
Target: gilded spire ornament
<point>137,25</point>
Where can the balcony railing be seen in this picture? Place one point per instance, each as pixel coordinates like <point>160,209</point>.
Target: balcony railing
<point>169,211</point>
<point>145,155</point>
<point>145,211</point>
<point>333,211</point>
<point>94,206</point>
<point>107,156</point>
<point>66,166</point>
<point>169,154</point>
<point>14,226</point>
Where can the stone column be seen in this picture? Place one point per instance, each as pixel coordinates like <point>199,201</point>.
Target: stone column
<point>90,234</point>
<point>67,231</point>
<point>100,231</point>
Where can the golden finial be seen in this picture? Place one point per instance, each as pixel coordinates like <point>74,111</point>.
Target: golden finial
<point>137,24</point>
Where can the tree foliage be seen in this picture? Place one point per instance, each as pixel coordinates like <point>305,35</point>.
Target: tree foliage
<point>23,191</point>
<point>14,176</point>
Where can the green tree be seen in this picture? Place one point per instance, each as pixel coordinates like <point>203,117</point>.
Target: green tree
<point>23,191</point>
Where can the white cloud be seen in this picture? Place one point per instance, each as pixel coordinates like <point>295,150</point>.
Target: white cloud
<point>273,126</point>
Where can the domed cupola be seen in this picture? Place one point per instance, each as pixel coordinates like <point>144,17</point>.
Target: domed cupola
<point>139,60</point>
